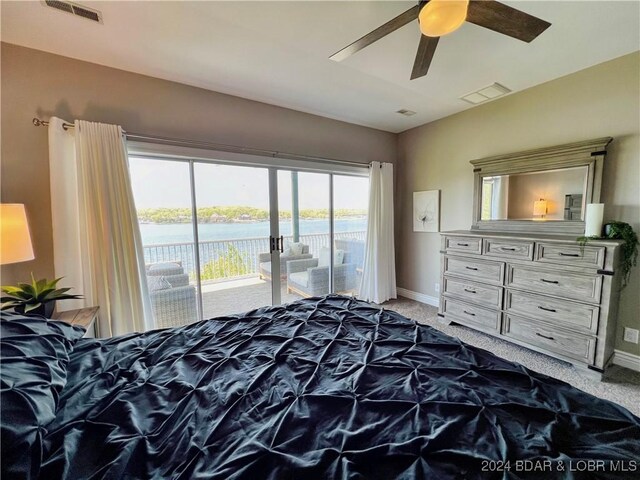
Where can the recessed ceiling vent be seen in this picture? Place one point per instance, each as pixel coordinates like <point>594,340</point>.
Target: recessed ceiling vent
<point>405,112</point>
<point>484,94</point>
<point>75,9</point>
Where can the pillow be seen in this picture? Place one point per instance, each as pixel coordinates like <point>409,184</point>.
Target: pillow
<point>296,248</point>
<point>156,283</point>
<point>323,258</point>
<point>165,268</point>
<point>34,353</point>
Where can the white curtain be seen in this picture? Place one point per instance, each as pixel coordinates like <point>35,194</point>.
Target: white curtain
<point>500,198</point>
<point>379,273</point>
<point>97,243</point>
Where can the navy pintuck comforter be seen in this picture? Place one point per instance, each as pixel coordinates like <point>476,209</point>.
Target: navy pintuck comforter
<point>321,388</point>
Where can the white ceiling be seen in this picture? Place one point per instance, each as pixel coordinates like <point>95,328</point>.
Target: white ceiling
<point>277,52</point>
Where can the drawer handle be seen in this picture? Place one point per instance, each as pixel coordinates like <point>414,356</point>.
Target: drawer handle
<point>568,254</point>
<point>462,244</point>
<point>471,268</point>
<point>469,290</point>
<point>508,249</point>
<point>544,336</point>
<point>555,282</point>
<point>547,309</point>
<point>469,313</point>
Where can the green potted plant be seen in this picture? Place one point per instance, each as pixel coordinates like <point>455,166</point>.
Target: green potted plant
<point>621,231</point>
<point>35,298</point>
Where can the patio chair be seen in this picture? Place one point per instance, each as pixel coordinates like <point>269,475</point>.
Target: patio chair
<point>310,277</point>
<point>173,299</point>
<point>264,260</point>
<point>354,249</point>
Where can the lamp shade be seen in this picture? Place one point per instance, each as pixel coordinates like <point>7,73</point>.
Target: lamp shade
<point>15,240</point>
<point>540,207</point>
<point>439,17</point>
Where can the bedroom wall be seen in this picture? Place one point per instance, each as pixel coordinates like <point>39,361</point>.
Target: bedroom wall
<point>603,100</point>
<point>35,83</point>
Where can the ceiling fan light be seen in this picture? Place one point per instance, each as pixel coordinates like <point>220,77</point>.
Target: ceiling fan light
<point>440,17</point>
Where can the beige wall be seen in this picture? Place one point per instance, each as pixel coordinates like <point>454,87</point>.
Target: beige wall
<point>600,101</point>
<point>36,83</point>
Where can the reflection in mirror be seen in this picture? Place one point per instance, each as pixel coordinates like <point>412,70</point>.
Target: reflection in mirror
<point>547,195</point>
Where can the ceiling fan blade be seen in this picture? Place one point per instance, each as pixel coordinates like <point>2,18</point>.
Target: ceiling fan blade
<point>503,19</point>
<point>382,31</point>
<point>426,49</point>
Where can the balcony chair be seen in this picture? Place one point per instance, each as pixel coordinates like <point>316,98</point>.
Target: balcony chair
<point>354,248</point>
<point>310,277</point>
<point>295,251</point>
<point>173,299</point>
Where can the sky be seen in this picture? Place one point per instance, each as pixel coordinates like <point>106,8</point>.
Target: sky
<point>160,183</point>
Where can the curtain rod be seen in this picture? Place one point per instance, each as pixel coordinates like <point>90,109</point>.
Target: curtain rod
<point>217,146</point>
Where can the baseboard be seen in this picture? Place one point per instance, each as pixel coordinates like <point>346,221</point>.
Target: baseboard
<point>627,360</point>
<point>419,297</point>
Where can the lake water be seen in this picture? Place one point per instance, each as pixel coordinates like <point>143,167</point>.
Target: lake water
<point>154,234</point>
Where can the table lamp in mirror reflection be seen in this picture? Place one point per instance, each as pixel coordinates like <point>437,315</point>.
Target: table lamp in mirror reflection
<point>539,209</point>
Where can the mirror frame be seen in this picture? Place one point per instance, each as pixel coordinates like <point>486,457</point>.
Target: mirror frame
<point>590,153</point>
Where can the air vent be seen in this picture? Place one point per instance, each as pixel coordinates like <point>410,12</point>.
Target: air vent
<point>484,94</point>
<point>75,9</point>
<point>405,112</point>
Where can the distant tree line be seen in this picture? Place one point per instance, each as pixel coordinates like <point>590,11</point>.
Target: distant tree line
<point>232,214</point>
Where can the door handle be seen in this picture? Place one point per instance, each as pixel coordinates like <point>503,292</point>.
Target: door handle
<point>281,242</point>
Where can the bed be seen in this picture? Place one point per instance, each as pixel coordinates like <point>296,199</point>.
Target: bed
<point>325,387</point>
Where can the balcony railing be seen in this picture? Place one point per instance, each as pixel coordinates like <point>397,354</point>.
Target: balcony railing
<point>244,250</point>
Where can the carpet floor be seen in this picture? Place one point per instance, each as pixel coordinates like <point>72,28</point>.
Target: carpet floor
<point>620,385</point>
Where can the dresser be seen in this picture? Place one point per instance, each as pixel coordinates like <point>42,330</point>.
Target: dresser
<point>543,292</point>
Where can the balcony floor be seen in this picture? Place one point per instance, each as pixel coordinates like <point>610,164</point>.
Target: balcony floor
<point>234,296</point>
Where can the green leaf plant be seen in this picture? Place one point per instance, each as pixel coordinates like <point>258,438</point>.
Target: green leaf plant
<point>620,231</point>
<point>33,297</point>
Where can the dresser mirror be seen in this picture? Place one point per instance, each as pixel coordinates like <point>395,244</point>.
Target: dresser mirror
<point>538,191</point>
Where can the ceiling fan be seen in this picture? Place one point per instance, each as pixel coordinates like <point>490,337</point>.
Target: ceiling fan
<point>440,17</point>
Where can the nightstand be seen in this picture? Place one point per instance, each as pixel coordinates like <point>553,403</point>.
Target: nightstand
<point>83,317</point>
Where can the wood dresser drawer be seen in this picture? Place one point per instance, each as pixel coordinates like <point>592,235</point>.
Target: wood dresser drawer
<point>555,282</point>
<point>488,295</point>
<point>474,269</point>
<point>576,346</point>
<point>476,317</point>
<point>575,316</point>
<point>495,247</point>
<point>463,244</point>
<point>570,255</point>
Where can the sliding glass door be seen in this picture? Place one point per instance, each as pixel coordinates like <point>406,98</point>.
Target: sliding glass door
<point>233,216</point>
<point>305,223</point>
<point>221,239</point>
<point>163,196</point>
<point>350,205</point>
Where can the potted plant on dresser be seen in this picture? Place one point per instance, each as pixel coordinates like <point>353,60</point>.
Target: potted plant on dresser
<point>616,230</point>
<point>35,298</point>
